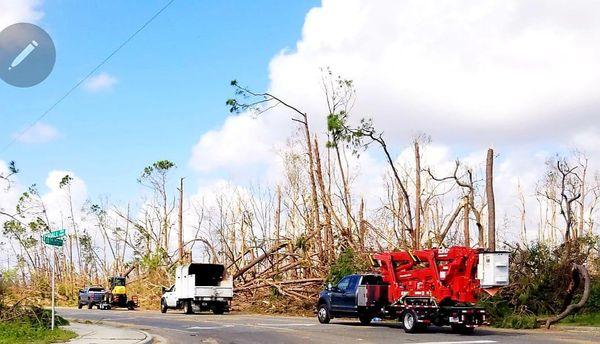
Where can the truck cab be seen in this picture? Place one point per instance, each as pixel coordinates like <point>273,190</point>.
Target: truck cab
<point>354,296</point>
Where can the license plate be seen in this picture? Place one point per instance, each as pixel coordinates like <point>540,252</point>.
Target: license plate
<point>454,319</point>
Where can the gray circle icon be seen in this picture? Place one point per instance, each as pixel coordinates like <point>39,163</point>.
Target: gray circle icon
<point>27,55</point>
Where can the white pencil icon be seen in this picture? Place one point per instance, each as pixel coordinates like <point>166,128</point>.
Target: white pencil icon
<point>23,54</point>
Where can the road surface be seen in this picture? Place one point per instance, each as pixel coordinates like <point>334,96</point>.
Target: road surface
<point>178,328</point>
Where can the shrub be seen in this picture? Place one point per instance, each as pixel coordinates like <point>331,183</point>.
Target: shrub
<point>540,275</point>
<point>593,304</point>
<point>347,263</point>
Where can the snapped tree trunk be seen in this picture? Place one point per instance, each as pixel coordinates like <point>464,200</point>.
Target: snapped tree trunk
<point>417,234</point>
<point>489,192</point>
<point>180,221</point>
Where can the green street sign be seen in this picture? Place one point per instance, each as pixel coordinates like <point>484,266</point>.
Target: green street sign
<point>53,241</point>
<point>55,234</point>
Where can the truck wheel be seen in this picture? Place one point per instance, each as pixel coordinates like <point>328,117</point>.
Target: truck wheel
<point>218,310</point>
<point>409,321</point>
<point>90,305</point>
<point>187,307</point>
<point>163,306</point>
<point>365,319</point>
<point>79,305</point>
<point>323,314</point>
<point>130,305</point>
<point>460,328</point>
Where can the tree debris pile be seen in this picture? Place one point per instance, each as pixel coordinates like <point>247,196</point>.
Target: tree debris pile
<point>283,239</point>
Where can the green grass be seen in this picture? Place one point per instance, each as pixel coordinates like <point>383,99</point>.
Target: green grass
<point>590,319</point>
<point>17,333</point>
<point>517,322</point>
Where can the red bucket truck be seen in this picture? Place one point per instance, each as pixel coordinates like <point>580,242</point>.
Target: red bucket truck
<point>419,288</point>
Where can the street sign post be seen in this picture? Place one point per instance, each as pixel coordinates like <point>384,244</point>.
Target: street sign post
<point>54,239</point>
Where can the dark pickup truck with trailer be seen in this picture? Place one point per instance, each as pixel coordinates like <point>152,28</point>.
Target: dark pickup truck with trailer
<point>419,288</point>
<point>90,296</point>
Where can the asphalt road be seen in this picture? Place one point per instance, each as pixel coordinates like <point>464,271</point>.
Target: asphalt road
<point>178,328</point>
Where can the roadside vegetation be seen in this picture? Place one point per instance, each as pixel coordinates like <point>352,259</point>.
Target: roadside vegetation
<point>22,322</point>
<point>16,333</point>
<point>282,243</point>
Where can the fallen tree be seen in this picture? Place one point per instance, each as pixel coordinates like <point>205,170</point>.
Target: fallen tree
<point>579,274</point>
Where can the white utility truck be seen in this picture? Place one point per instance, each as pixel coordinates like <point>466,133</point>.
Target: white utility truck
<point>199,287</point>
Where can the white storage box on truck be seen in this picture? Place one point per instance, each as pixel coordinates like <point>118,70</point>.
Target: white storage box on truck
<point>492,269</point>
<point>199,287</point>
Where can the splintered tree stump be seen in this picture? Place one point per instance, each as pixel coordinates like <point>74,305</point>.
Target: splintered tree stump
<point>579,273</point>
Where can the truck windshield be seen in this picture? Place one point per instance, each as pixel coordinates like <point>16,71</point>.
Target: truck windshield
<point>96,289</point>
<point>119,282</point>
<point>371,280</point>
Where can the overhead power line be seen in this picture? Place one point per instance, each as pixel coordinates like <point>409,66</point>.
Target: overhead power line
<point>94,70</point>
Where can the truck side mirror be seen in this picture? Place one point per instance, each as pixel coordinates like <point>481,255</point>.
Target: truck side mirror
<point>163,289</point>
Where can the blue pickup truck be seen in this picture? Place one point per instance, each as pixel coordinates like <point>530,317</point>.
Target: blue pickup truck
<point>91,296</point>
<point>355,296</point>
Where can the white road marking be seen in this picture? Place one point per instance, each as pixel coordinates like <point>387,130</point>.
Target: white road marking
<point>208,327</point>
<point>462,342</point>
<point>290,324</point>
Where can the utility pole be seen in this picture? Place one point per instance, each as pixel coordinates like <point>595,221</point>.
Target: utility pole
<point>180,234</point>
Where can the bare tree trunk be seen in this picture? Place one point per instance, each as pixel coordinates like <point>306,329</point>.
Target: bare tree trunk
<point>326,201</point>
<point>180,221</point>
<point>582,202</point>
<point>417,234</point>
<point>361,225</point>
<point>466,230</point>
<point>491,205</point>
<point>313,189</point>
<point>346,198</point>
<point>450,223</point>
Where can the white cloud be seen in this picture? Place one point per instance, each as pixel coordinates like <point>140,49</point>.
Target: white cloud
<point>9,193</point>
<point>56,199</point>
<point>38,133</point>
<point>100,82</point>
<point>12,12</point>
<point>475,73</point>
<point>517,76</point>
<point>459,70</point>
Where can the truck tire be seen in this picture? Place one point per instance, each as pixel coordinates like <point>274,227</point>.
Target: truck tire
<point>187,307</point>
<point>90,305</point>
<point>163,306</point>
<point>79,305</point>
<point>462,329</point>
<point>323,314</point>
<point>365,319</point>
<point>409,321</point>
<point>218,310</point>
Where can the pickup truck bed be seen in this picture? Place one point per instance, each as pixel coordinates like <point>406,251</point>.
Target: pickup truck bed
<point>90,296</point>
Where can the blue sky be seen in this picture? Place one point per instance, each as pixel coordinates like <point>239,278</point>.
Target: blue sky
<point>172,81</point>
